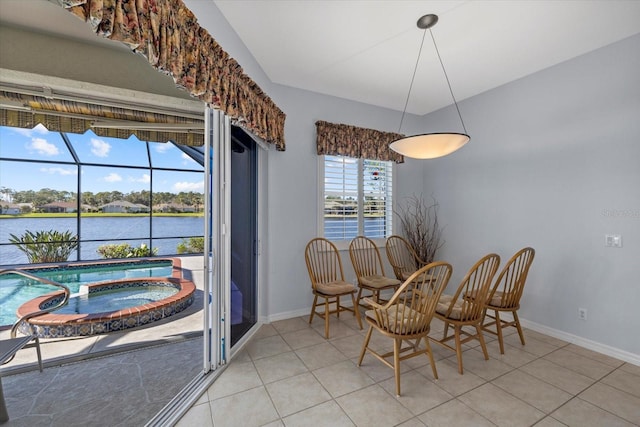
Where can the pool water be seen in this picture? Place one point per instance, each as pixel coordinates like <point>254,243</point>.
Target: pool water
<point>118,299</point>
<point>16,290</point>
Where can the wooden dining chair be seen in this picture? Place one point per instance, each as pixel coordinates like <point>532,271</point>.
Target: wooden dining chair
<point>327,281</point>
<point>367,264</point>
<point>505,295</point>
<point>466,307</point>
<point>402,257</point>
<point>406,317</point>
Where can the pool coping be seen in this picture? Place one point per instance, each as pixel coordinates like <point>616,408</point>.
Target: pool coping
<point>53,325</point>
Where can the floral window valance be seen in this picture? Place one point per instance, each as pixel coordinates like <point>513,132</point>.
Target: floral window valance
<point>166,32</point>
<point>351,141</point>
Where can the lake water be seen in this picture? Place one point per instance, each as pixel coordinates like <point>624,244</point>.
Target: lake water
<point>167,233</point>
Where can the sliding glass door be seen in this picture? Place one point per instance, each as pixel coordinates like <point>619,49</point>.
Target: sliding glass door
<point>231,236</point>
<point>243,233</point>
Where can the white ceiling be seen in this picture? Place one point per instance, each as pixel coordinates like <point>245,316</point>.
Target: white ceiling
<point>367,50</point>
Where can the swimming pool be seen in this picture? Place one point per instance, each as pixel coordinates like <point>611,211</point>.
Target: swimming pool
<point>16,290</point>
<point>109,307</point>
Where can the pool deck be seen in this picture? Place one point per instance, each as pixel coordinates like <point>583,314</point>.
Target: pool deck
<point>179,327</point>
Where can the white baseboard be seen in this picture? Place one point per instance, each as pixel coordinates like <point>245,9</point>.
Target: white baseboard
<point>287,315</point>
<point>583,342</point>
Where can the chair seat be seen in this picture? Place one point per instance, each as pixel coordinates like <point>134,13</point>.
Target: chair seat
<point>443,306</point>
<point>338,287</point>
<point>378,282</point>
<point>398,319</point>
<point>496,301</point>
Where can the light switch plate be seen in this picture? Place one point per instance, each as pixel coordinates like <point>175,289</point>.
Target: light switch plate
<point>613,240</point>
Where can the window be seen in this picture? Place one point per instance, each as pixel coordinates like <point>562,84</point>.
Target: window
<point>356,198</point>
<point>105,190</point>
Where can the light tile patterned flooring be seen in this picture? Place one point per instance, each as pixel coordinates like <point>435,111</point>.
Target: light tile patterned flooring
<point>290,375</point>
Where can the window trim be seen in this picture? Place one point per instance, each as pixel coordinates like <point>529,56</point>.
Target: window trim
<point>343,244</point>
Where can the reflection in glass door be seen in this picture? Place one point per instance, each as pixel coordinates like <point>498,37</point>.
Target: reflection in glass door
<point>243,233</point>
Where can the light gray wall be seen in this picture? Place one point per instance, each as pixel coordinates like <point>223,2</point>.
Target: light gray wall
<point>550,157</point>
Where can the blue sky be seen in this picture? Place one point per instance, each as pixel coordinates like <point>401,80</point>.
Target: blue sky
<point>40,144</point>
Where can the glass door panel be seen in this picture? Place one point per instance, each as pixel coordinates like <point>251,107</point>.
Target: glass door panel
<point>243,233</point>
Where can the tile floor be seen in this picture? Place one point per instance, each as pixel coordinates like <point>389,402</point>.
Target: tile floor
<point>290,375</point>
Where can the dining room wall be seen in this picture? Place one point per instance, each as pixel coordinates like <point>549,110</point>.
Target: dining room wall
<point>554,163</point>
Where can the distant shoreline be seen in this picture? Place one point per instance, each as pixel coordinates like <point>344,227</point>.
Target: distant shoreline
<point>98,214</point>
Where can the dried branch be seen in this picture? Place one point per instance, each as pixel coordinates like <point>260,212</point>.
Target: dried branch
<point>420,226</point>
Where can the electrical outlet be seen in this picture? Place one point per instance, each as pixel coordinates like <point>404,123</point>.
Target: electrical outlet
<point>582,313</point>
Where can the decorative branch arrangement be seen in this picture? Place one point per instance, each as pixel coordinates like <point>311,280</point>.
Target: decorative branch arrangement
<point>419,221</point>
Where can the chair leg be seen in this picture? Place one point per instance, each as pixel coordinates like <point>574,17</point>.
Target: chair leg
<point>356,310</point>
<point>326,318</point>
<point>313,308</point>
<point>446,329</point>
<point>338,306</point>
<point>396,363</point>
<point>365,344</point>
<point>359,294</point>
<point>431,360</point>
<point>458,348</point>
<point>417,343</point>
<point>499,332</point>
<point>482,343</point>
<point>515,318</point>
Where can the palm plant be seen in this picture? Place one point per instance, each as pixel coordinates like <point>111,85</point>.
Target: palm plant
<point>46,246</point>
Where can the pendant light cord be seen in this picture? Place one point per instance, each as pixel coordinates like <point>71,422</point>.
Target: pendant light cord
<point>447,78</point>
<point>412,79</point>
<point>415,69</point>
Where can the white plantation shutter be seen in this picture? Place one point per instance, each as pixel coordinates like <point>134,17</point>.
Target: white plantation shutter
<point>376,189</point>
<point>356,198</point>
<point>340,197</point>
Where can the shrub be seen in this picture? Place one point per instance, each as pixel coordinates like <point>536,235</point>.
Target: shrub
<point>46,246</point>
<point>193,245</point>
<point>125,250</point>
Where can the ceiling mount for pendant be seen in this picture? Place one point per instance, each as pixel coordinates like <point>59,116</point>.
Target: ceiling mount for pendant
<point>427,21</point>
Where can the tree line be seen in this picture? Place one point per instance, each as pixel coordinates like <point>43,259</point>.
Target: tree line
<point>48,195</point>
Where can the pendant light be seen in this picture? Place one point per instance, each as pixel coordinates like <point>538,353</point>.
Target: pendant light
<point>430,145</point>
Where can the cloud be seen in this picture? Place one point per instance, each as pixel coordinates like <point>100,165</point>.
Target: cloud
<point>187,160</point>
<point>145,178</point>
<point>39,128</point>
<point>163,147</point>
<point>100,148</point>
<point>189,186</point>
<point>59,171</point>
<point>112,177</point>
<point>42,147</point>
